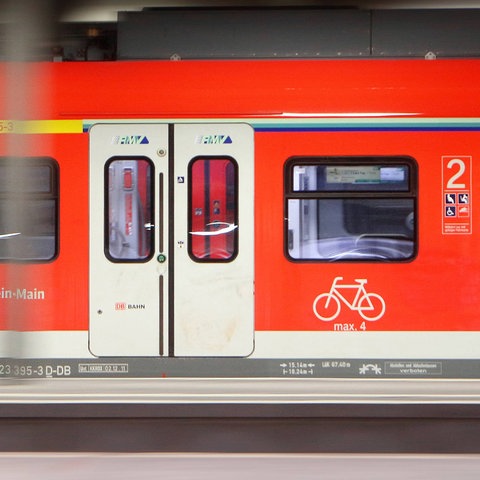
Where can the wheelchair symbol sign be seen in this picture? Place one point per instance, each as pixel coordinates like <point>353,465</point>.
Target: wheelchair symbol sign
<point>450,211</point>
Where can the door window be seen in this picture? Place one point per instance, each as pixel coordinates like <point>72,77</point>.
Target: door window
<point>129,210</point>
<point>213,204</point>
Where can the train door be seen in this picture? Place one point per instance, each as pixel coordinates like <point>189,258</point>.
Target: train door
<point>171,240</point>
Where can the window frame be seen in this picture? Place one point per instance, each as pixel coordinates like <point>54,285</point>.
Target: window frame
<point>106,243</point>
<point>235,232</point>
<point>350,160</point>
<point>52,194</point>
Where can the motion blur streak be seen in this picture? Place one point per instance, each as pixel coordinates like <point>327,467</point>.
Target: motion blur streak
<point>238,467</point>
<point>29,23</point>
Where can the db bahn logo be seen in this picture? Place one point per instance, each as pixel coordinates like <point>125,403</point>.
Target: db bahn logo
<point>129,306</point>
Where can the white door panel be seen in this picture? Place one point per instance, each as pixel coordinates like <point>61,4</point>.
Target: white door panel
<point>214,301</point>
<point>149,295</point>
<point>125,310</point>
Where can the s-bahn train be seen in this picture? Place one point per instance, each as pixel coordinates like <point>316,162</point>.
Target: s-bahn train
<point>260,209</point>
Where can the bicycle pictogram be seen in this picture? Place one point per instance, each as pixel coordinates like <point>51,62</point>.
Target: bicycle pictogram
<point>370,306</point>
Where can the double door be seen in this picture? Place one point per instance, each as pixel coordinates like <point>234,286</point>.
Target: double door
<point>171,240</point>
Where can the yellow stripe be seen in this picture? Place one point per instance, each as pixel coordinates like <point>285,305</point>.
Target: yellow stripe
<point>41,126</point>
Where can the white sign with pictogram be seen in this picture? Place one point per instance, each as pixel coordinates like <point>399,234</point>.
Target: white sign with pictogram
<point>457,195</point>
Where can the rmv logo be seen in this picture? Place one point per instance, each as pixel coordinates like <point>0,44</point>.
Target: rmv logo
<point>130,140</point>
<point>213,139</point>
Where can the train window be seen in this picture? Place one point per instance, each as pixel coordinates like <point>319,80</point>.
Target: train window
<point>28,209</point>
<point>351,209</point>
<point>129,210</point>
<point>213,209</point>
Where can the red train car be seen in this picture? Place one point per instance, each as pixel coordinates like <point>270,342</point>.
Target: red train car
<point>260,209</point>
